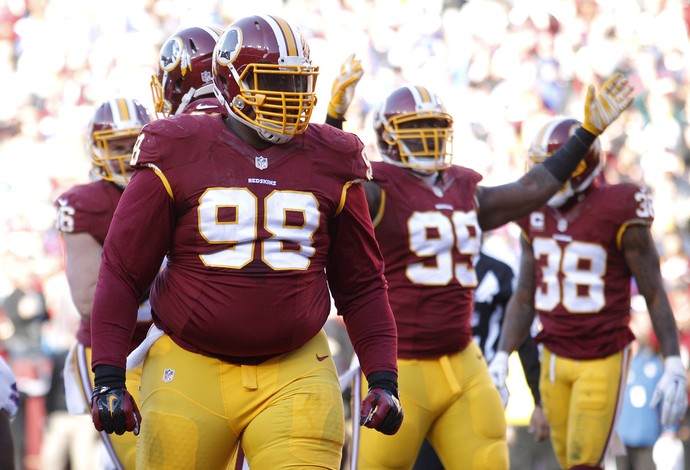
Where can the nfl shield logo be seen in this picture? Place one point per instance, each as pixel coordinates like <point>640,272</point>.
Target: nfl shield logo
<point>168,375</point>
<point>206,76</point>
<point>261,163</point>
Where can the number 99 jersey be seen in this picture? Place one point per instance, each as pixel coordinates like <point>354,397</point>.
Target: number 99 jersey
<point>430,239</point>
<point>582,281</point>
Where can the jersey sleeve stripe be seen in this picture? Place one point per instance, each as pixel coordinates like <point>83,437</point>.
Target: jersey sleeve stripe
<point>343,196</point>
<point>163,179</point>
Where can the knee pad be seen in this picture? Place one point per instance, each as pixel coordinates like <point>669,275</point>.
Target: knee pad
<point>493,456</point>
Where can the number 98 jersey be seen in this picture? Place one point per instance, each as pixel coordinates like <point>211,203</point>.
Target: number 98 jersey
<point>582,281</point>
<point>248,233</point>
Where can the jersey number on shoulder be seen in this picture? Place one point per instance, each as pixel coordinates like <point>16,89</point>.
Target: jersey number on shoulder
<point>434,234</point>
<point>291,217</point>
<point>65,219</point>
<point>583,266</point>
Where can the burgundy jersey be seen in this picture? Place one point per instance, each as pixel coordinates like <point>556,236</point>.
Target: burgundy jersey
<point>254,239</point>
<point>430,240</point>
<point>582,280</point>
<point>89,208</point>
<point>205,106</point>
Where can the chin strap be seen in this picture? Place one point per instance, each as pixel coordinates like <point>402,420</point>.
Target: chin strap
<point>194,93</point>
<point>185,101</point>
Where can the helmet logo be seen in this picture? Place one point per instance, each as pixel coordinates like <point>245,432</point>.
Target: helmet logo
<point>228,46</point>
<point>171,52</point>
<point>261,162</point>
<point>185,62</point>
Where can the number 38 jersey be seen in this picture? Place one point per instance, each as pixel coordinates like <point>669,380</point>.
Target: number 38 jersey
<point>252,237</point>
<point>582,282</point>
<point>430,239</point>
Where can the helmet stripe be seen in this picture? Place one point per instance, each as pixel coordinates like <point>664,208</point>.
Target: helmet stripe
<point>120,109</point>
<point>544,135</point>
<point>420,94</point>
<point>285,35</point>
<point>213,32</point>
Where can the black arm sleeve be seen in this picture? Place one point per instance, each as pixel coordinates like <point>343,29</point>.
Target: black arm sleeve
<point>333,122</point>
<point>529,357</point>
<point>565,160</point>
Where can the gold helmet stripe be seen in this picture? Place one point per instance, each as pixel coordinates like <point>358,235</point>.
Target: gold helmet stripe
<point>424,99</point>
<point>421,94</point>
<point>289,42</point>
<point>541,141</point>
<point>120,109</point>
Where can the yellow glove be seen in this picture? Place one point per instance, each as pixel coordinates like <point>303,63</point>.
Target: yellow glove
<point>602,109</point>
<point>344,87</point>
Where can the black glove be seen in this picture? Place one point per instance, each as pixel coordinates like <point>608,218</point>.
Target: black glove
<point>112,407</point>
<point>381,408</point>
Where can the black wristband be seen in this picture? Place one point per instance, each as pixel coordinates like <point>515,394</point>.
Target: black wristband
<point>564,161</point>
<point>335,122</point>
<point>109,376</point>
<point>384,379</point>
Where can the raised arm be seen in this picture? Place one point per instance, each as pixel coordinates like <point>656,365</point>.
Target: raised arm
<point>500,204</point>
<point>343,90</point>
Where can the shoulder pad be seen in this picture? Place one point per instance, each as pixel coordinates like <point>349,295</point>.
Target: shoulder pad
<point>336,140</point>
<point>179,127</point>
<point>179,139</point>
<point>91,198</point>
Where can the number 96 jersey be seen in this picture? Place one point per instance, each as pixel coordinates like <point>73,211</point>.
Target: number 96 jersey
<point>582,281</point>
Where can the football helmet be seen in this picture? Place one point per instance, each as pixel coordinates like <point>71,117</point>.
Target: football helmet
<point>413,130</point>
<point>111,135</point>
<point>263,75</point>
<point>184,69</point>
<point>550,138</point>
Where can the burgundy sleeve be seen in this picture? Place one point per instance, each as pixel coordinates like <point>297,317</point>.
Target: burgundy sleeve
<point>355,275</point>
<point>134,249</point>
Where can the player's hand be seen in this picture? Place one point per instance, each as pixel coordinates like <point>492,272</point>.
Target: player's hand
<point>668,452</point>
<point>381,408</point>
<point>538,425</point>
<point>344,87</point>
<point>603,108</point>
<point>498,370</point>
<point>671,391</point>
<point>113,410</point>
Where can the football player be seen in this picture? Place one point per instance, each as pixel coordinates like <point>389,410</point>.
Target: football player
<point>183,82</point>
<point>260,213</point>
<point>84,214</point>
<point>428,217</point>
<point>579,255</point>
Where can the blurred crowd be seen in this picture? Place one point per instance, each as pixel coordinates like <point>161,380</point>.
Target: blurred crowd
<point>503,67</point>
